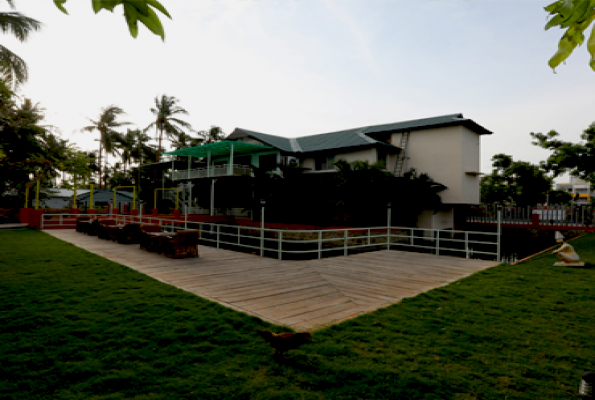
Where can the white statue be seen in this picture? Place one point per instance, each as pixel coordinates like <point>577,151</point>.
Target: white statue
<point>566,253</point>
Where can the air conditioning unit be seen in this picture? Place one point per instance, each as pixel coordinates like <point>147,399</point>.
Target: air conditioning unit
<point>290,160</point>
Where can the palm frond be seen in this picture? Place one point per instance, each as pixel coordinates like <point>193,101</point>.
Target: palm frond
<point>13,69</point>
<point>18,24</point>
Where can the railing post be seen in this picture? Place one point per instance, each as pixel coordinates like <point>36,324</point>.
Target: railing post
<point>437,242</point>
<point>467,243</point>
<point>345,243</point>
<point>280,245</point>
<point>499,234</point>
<point>319,245</point>
<point>368,238</point>
<point>238,235</point>
<point>61,220</point>
<point>218,235</point>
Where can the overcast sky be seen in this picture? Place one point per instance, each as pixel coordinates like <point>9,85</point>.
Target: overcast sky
<point>300,67</point>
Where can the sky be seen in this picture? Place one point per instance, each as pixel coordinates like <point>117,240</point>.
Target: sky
<point>301,67</point>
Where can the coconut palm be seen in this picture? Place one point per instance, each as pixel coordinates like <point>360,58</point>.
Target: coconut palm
<point>58,151</point>
<point>183,141</point>
<point>165,111</point>
<point>106,124</point>
<point>214,134</point>
<point>13,70</point>
<point>126,144</point>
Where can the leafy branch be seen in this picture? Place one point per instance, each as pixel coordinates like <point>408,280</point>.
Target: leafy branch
<point>575,16</point>
<point>134,11</point>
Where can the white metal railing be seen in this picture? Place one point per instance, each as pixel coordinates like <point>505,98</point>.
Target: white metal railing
<point>559,215</point>
<point>214,171</point>
<point>318,242</point>
<point>64,220</point>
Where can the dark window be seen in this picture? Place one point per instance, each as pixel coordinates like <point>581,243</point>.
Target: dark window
<point>268,161</point>
<point>383,157</point>
<point>323,163</point>
<point>242,160</point>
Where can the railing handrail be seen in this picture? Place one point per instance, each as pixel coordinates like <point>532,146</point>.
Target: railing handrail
<point>435,241</point>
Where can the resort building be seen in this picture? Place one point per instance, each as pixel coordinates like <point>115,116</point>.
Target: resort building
<point>447,148</point>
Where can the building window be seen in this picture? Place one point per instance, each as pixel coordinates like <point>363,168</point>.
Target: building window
<point>383,157</point>
<point>324,163</point>
<point>268,161</point>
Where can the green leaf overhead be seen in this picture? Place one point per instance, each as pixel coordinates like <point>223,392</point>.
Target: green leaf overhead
<point>153,23</point>
<point>575,16</point>
<point>134,11</point>
<point>59,4</point>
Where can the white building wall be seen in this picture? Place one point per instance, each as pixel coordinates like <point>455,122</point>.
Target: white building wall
<point>446,154</point>
<point>370,155</point>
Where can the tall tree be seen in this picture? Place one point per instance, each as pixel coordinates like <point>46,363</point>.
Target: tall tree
<point>24,154</point>
<point>106,125</point>
<point>183,141</point>
<point>517,182</point>
<point>13,69</point>
<point>214,134</point>
<point>576,158</point>
<point>166,111</point>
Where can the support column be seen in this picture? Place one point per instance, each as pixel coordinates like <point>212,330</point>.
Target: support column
<point>189,165</point>
<point>230,166</point>
<point>209,164</point>
<point>213,196</point>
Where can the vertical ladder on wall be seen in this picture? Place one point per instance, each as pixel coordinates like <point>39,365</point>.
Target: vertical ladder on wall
<point>403,156</point>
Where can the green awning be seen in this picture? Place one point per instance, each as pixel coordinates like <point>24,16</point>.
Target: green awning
<point>219,149</point>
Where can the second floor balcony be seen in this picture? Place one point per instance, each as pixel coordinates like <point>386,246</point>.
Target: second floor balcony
<point>212,172</point>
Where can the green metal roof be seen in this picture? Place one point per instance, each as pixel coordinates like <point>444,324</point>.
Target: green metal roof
<point>324,141</point>
<point>219,149</point>
<point>103,195</point>
<point>363,136</point>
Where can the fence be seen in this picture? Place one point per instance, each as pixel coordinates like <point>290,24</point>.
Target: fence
<point>555,216</point>
<point>215,171</point>
<point>292,244</point>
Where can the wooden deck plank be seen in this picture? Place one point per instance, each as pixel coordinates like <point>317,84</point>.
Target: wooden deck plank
<point>299,294</point>
<point>377,267</point>
<point>287,298</point>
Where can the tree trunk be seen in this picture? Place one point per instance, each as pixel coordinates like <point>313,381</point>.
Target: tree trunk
<point>159,151</point>
<point>99,163</point>
<point>105,172</point>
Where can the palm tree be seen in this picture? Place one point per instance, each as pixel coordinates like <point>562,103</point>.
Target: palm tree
<point>58,151</point>
<point>106,125</point>
<point>183,141</point>
<point>214,134</point>
<point>126,144</point>
<point>142,150</point>
<point>165,111</point>
<point>13,70</point>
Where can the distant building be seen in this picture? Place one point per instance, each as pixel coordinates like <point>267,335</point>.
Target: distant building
<point>59,198</point>
<point>581,190</point>
<point>103,197</point>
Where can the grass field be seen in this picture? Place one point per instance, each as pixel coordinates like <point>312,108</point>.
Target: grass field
<point>74,325</point>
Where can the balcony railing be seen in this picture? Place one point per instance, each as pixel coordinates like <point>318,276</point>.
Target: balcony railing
<point>215,171</point>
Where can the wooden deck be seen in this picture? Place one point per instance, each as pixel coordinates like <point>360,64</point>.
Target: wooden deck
<point>301,294</point>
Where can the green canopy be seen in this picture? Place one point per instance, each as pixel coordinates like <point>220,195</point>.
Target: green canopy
<point>219,149</point>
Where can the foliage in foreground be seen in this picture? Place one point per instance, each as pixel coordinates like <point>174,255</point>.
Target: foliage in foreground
<point>575,17</point>
<point>77,326</point>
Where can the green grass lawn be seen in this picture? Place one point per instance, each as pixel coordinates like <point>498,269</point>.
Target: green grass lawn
<point>74,325</point>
